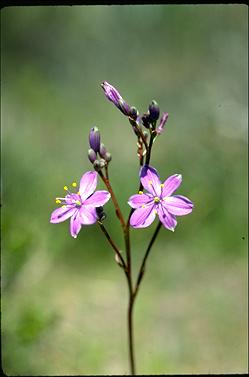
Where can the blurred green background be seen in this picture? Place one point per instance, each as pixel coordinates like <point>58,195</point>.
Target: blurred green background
<point>64,301</point>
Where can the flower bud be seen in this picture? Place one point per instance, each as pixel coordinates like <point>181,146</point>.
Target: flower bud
<point>96,165</point>
<point>102,163</point>
<point>133,113</point>
<point>108,157</point>
<point>154,111</point>
<point>100,214</point>
<point>113,95</point>
<point>163,120</point>
<point>102,150</point>
<point>94,139</point>
<point>92,155</point>
<point>146,120</point>
<point>124,107</point>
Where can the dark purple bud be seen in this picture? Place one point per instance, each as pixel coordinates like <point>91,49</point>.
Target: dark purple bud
<point>154,111</point>
<point>133,113</point>
<point>108,157</point>
<point>94,139</point>
<point>163,120</point>
<point>146,120</point>
<point>113,95</point>
<point>100,213</point>
<point>92,155</point>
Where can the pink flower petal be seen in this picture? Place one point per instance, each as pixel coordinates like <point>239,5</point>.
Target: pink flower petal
<point>143,217</point>
<point>171,184</point>
<point>75,225</point>
<point>178,205</point>
<point>168,220</point>
<point>98,199</point>
<point>88,184</point>
<point>87,215</point>
<point>138,200</point>
<point>150,180</point>
<point>62,214</point>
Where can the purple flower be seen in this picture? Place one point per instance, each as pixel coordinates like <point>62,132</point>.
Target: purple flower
<point>80,206</point>
<point>158,200</point>
<point>113,95</point>
<point>163,120</point>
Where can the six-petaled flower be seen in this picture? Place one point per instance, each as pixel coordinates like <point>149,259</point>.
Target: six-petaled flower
<point>80,206</point>
<point>158,200</point>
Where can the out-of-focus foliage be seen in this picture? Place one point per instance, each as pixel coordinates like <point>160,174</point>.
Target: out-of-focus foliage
<point>64,300</point>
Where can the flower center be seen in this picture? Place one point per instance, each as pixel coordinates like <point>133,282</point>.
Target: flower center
<point>156,199</point>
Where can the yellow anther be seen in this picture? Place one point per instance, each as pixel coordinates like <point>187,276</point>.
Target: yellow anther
<point>78,193</point>
<point>162,184</point>
<point>143,205</point>
<point>74,184</point>
<point>155,211</point>
<point>63,206</point>
<point>57,201</point>
<point>65,188</point>
<point>150,182</point>
<point>156,199</point>
<point>140,192</point>
<point>78,202</point>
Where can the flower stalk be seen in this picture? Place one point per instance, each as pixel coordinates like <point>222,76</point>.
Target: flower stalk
<point>85,206</point>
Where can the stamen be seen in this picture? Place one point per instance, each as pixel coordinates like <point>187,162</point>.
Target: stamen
<point>162,184</point>
<point>63,206</point>
<point>78,202</point>
<point>155,211</point>
<point>78,193</point>
<point>65,188</point>
<point>150,182</point>
<point>156,199</point>
<point>140,192</point>
<point>57,201</point>
<point>74,184</point>
<point>143,205</point>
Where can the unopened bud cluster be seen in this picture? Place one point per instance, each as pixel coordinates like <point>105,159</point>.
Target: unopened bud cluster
<point>148,120</point>
<point>97,154</point>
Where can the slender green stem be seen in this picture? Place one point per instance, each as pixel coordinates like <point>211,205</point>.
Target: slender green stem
<point>131,338</point>
<point>127,268</point>
<point>148,153</point>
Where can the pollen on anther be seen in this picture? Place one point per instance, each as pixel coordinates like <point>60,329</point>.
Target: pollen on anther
<point>74,184</point>
<point>140,192</point>
<point>57,201</point>
<point>143,205</point>
<point>65,188</point>
<point>150,182</point>
<point>63,206</point>
<point>162,184</point>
